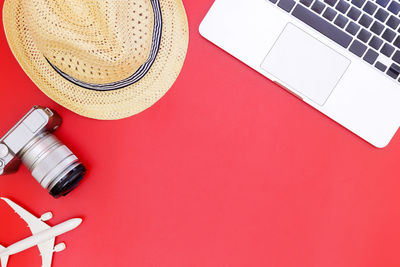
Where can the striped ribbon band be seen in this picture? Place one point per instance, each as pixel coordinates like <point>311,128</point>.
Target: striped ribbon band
<point>140,73</point>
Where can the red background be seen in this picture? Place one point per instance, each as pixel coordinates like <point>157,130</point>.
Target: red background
<point>226,170</point>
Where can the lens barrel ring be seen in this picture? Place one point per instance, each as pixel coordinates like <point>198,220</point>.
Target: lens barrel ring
<point>52,164</point>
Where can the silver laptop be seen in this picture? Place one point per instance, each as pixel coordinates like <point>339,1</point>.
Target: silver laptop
<point>340,56</point>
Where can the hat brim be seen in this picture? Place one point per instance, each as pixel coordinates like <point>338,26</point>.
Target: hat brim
<point>103,105</point>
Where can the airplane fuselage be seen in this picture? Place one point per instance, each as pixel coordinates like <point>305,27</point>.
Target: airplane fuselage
<point>41,237</point>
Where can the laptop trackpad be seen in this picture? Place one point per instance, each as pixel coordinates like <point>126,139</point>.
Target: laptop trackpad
<point>305,64</point>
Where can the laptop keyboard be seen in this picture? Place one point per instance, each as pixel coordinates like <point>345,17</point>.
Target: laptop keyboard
<point>367,28</point>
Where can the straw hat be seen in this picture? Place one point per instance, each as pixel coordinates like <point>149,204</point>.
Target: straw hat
<point>103,59</point>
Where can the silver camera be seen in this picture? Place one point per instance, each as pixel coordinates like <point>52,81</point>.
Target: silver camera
<point>31,142</point>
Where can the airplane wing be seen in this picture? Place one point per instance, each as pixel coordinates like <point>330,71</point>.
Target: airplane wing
<point>34,223</point>
<point>46,251</point>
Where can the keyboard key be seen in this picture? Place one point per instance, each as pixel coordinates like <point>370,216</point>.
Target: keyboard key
<point>377,28</point>
<point>370,8</point>
<point>365,20</point>
<point>388,35</point>
<point>397,42</point>
<point>354,13</point>
<point>396,57</point>
<point>341,21</point>
<point>392,72</point>
<point>382,3</point>
<point>332,3</point>
<point>358,48</point>
<point>387,50</point>
<point>286,5</point>
<point>273,1</point>
<point>380,66</point>
<point>352,28</point>
<point>381,15</point>
<point>306,2</point>
<point>394,7</point>
<point>343,6</point>
<point>375,42</point>
<point>371,56</point>
<point>364,35</point>
<point>321,25</point>
<point>329,14</point>
<point>393,22</point>
<point>395,67</point>
<point>318,6</point>
<point>358,3</point>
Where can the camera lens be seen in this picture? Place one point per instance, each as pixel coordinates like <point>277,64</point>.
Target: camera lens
<point>52,164</point>
<point>67,183</point>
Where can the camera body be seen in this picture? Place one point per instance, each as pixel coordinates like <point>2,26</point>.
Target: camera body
<point>31,142</point>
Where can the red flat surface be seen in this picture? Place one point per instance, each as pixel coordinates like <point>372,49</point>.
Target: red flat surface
<point>226,170</point>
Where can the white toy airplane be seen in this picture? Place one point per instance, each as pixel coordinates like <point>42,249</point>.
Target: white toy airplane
<point>43,235</point>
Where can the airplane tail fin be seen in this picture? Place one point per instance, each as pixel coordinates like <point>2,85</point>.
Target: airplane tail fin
<point>3,259</point>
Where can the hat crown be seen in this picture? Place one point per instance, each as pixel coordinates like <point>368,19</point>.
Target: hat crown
<point>94,41</point>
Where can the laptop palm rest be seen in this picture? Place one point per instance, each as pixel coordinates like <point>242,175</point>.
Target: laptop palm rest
<point>305,64</point>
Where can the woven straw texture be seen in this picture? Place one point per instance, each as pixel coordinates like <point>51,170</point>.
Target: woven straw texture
<point>97,41</point>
